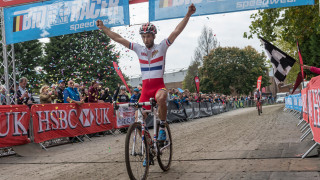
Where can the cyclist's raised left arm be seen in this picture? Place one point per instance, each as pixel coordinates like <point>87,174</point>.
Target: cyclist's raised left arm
<point>182,24</point>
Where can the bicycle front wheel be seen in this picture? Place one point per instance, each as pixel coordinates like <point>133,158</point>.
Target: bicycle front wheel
<point>136,152</point>
<point>164,154</point>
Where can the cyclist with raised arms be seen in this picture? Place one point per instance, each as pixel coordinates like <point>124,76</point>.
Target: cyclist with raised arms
<point>152,62</point>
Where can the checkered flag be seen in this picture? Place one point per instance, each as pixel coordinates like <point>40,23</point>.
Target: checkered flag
<point>281,62</point>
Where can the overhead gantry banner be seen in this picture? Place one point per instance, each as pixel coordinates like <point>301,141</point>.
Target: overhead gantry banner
<point>169,9</point>
<point>54,18</point>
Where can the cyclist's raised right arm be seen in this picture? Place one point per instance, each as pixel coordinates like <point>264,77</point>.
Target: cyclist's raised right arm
<point>114,36</point>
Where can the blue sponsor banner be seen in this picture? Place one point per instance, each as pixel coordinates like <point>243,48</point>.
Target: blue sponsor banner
<point>169,9</point>
<point>59,17</point>
<point>294,102</point>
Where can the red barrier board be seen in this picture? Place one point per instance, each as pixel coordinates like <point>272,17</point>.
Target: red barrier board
<point>304,104</point>
<point>4,3</point>
<point>14,125</point>
<point>314,105</point>
<point>69,120</point>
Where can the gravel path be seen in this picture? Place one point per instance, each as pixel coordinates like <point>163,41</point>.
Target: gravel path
<point>233,145</point>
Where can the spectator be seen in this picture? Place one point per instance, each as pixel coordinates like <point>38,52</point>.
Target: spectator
<point>94,93</point>
<point>122,97</point>
<point>2,95</point>
<point>59,91</point>
<point>185,98</point>
<point>23,96</point>
<point>83,93</point>
<point>71,94</point>
<point>106,97</point>
<point>46,96</point>
<point>136,96</point>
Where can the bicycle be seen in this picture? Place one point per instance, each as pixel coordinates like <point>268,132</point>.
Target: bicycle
<point>259,107</point>
<point>139,146</point>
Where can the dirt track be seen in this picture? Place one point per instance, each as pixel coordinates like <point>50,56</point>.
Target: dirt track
<point>233,145</point>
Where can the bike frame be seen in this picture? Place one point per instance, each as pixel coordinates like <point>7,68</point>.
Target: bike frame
<point>153,111</point>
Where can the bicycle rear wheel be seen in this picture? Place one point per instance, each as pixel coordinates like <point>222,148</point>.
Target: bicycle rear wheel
<point>134,155</point>
<point>164,155</point>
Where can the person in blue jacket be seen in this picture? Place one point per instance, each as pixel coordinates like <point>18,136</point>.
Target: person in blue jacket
<point>136,96</point>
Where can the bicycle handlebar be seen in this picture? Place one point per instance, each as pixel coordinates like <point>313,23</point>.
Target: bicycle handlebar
<point>138,105</point>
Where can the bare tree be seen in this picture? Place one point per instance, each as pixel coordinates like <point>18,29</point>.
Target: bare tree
<point>206,42</point>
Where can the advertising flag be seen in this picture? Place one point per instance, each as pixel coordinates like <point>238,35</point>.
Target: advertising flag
<point>197,81</point>
<point>60,17</point>
<point>300,58</point>
<point>259,83</point>
<point>116,67</point>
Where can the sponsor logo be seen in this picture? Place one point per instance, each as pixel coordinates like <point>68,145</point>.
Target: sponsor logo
<point>13,119</point>
<point>261,3</point>
<point>154,53</point>
<point>144,54</point>
<point>65,12</point>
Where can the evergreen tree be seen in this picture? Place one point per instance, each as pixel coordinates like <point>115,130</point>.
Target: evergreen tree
<point>82,57</point>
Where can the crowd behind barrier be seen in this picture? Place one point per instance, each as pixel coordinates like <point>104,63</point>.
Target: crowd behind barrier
<point>57,121</point>
<point>77,110</point>
<point>305,107</point>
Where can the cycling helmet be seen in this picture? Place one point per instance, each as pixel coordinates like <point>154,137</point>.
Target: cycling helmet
<point>148,28</point>
<point>122,87</point>
<point>136,90</point>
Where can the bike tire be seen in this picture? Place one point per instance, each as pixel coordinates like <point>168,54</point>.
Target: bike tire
<point>139,162</point>
<point>259,111</point>
<point>163,162</point>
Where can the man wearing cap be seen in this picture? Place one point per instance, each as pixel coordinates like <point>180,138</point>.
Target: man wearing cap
<point>60,90</point>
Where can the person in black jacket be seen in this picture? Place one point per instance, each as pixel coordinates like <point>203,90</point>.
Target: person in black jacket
<point>106,97</point>
<point>60,90</point>
<point>122,97</point>
<point>23,95</point>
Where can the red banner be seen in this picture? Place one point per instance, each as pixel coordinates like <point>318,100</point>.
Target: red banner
<point>116,67</point>
<point>197,81</point>
<point>125,116</point>
<point>137,1</point>
<point>304,99</point>
<point>314,105</point>
<point>68,120</point>
<point>4,3</point>
<point>259,82</point>
<point>14,125</point>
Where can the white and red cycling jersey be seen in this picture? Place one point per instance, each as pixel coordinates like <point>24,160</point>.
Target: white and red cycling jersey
<point>152,64</point>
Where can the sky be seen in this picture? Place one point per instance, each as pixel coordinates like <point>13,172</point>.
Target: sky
<point>228,28</point>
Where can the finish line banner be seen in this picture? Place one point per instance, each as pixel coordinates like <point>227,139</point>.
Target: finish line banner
<point>169,9</point>
<point>51,121</point>
<point>14,125</point>
<point>59,17</point>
